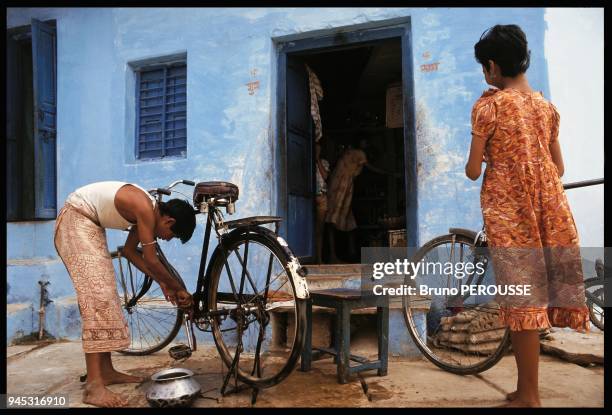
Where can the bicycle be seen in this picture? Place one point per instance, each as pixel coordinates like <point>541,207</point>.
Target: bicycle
<point>594,287</point>
<point>451,340</point>
<point>251,282</point>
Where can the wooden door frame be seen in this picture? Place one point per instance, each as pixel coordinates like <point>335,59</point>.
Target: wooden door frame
<point>341,38</point>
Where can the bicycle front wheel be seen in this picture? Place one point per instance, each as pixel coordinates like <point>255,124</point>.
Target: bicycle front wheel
<point>596,313</point>
<point>153,322</point>
<point>459,333</point>
<point>258,321</point>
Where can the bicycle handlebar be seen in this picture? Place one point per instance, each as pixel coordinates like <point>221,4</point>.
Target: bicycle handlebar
<point>166,190</point>
<point>187,182</point>
<point>583,183</point>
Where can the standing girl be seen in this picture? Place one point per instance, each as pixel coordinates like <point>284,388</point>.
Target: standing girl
<point>530,228</point>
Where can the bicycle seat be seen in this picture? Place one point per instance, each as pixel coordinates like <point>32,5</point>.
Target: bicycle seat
<point>217,190</point>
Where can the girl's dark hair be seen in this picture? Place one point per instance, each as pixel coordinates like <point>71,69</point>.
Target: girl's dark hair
<point>183,213</point>
<point>506,45</point>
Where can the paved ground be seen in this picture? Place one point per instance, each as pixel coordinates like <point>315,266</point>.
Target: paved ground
<point>55,369</point>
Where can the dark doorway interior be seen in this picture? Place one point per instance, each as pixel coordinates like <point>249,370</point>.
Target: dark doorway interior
<point>31,122</point>
<point>353,111</point>
<point>20,128</point>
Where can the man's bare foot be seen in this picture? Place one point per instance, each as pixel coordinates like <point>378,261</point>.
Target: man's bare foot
<point>96,394</point>
<point>115,377</point>
<point>520,403</point>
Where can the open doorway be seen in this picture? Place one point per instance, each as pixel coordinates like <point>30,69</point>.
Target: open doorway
<point>353,111</point>
<point>360,77</point>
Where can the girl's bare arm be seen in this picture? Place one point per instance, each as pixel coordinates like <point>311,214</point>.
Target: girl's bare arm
<point>473,168</point>
<point>555,152</point>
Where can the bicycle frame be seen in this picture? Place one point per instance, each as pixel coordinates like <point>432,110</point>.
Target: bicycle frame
<point>214,217</point>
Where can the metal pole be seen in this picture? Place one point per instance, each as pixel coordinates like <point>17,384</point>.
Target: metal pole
<point>583,183</point>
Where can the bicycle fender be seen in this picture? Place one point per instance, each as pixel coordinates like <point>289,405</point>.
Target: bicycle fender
<point>296,271</point>
<point>465,232</point>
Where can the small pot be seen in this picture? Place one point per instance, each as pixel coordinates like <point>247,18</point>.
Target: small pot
<point>174,387</point>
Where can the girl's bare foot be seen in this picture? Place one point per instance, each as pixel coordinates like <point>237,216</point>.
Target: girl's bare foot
<point>520,403</point>
<point>512,396</point>
<point>115,377</point>
<point>96,394</point>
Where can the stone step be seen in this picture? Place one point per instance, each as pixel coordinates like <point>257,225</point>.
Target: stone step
<point>325,276</point>
<point>322,282</point>
<point>334,269</point>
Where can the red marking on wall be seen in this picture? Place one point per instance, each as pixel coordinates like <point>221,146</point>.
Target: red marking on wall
<point>253,86</point>
<point>430,67</point>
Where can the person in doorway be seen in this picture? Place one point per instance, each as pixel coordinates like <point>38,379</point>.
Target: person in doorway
<point>80,241</point>
<point>322,172</point>
<point>531,232</point>
<point>340,194</point>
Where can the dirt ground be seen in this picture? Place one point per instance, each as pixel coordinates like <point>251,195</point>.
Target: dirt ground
<point>55,368</point>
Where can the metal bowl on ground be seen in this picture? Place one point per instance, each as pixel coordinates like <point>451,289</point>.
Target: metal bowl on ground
<point>173,387</point>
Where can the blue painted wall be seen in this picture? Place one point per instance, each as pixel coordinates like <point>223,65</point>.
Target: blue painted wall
<point>231,133</point>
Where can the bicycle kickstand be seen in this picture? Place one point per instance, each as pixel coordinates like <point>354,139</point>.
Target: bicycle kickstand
<point>233,370</point>
<point>191,340</point>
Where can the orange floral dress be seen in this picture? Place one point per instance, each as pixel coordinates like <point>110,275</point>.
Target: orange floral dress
<point>531,232</point>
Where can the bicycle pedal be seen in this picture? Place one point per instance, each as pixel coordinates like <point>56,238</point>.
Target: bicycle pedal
<point>180,351</point>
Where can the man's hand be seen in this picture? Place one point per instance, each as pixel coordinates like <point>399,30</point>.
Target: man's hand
<point>185,301</point>
<point>168,293</point>
<point>179,298</point>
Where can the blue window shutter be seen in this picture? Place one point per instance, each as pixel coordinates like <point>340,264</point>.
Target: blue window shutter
<point>175,120</point>
<point>44,83</point>
<point>161,128</point>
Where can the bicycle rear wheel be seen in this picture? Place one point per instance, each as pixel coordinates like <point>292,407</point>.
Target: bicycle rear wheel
<point>153,322</point>
<point>258,321</point>
<point>459,333</point>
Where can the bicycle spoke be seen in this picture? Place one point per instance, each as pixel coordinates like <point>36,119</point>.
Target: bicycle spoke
<point>229,273</point>
<point>154,325</point>
<point>171,317</point>
<point>256,363</point>
<point>244,266</point>
<point>268,274</point>
<point>258,292</point>
<point>138,325</point>
<point>245,270</point>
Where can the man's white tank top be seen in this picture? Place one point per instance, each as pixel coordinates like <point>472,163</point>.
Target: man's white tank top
<point>100,198</point>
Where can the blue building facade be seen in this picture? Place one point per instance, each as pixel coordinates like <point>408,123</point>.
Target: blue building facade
<point>232,118</point>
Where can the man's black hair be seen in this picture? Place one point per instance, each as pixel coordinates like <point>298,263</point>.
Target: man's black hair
<point>183,213</point>
<point>506,45</point>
